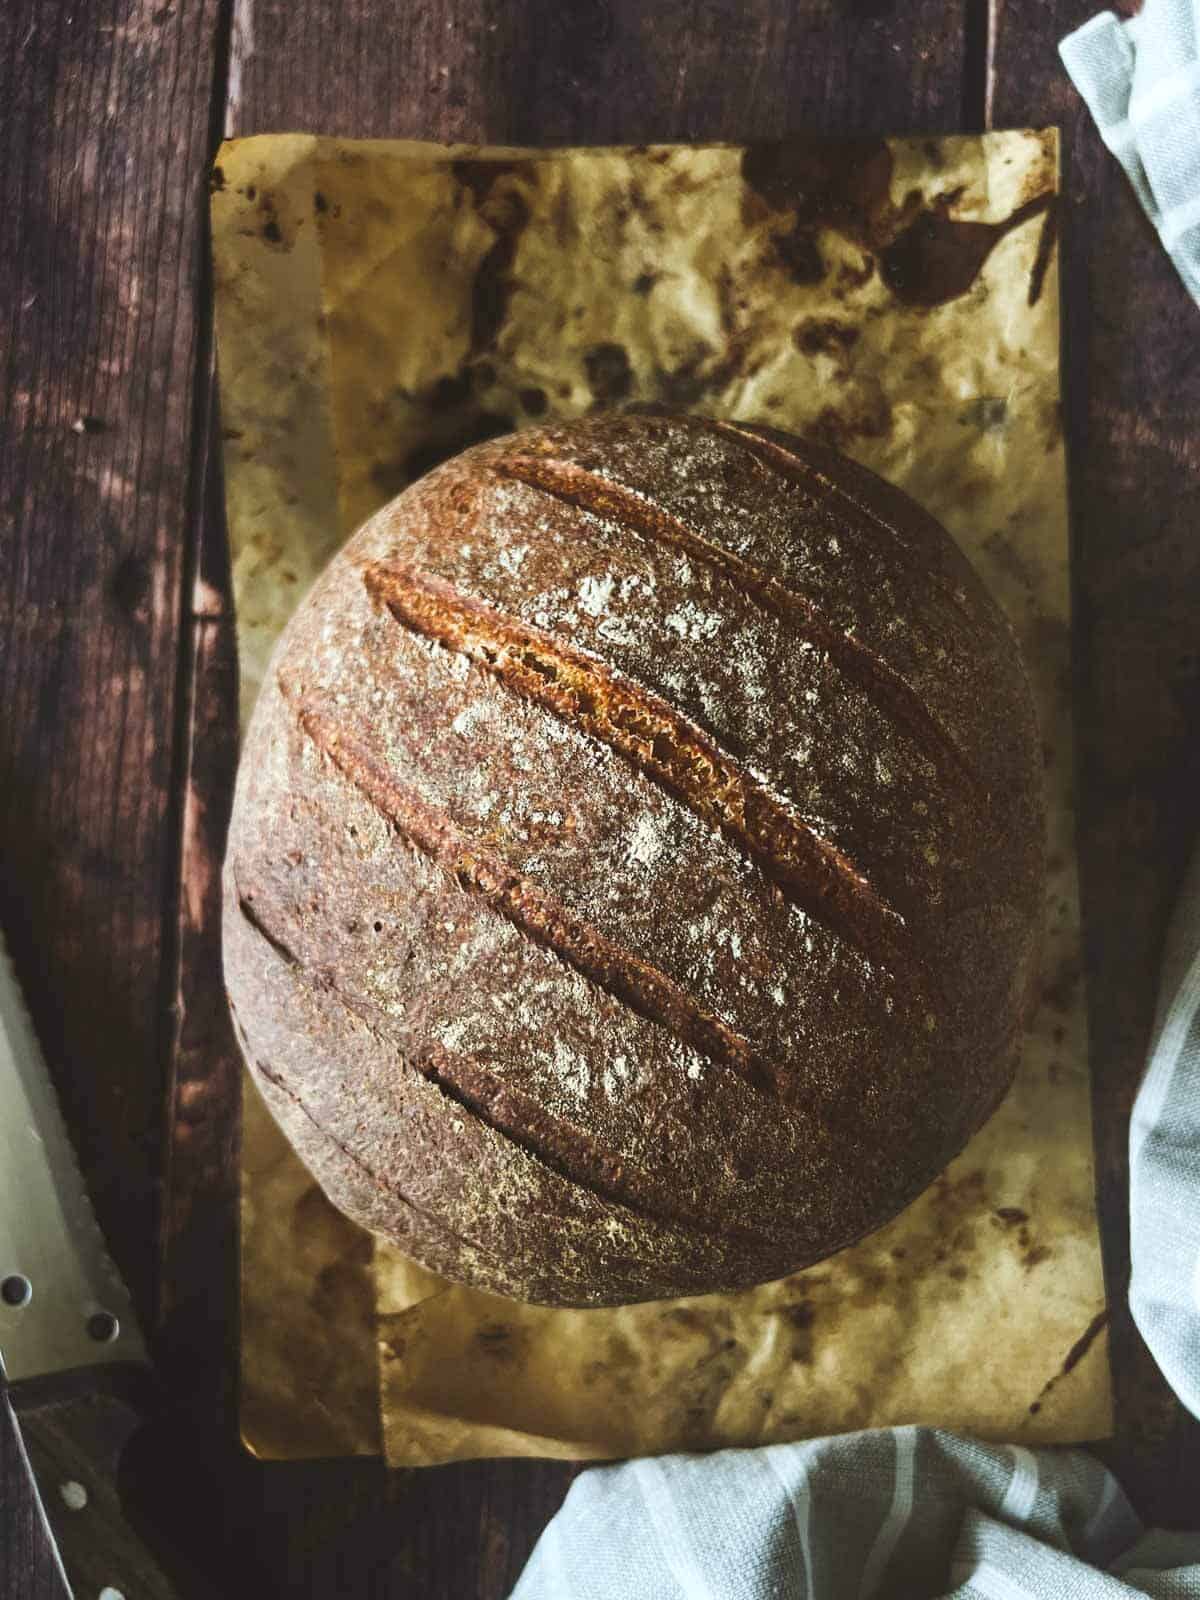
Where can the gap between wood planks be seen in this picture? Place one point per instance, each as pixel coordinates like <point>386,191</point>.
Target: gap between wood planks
<point>204,522</point>
<point>979,20</point>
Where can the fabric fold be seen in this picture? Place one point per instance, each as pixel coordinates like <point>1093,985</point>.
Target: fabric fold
<point>909,1512</point>
<point>1140,80</point>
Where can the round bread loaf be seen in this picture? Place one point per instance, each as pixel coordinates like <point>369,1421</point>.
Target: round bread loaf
<point>634,878</point>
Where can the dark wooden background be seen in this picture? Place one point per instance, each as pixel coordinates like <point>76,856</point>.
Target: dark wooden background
<point>116,673</point>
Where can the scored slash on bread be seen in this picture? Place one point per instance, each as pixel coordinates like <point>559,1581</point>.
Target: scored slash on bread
<point>536,914</point>
<point>669,749</point>
<point>633,514</point>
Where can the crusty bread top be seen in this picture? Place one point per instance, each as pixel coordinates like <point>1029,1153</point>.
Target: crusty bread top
<point>634,875</point>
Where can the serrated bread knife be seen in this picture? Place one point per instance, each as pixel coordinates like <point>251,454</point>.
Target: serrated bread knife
<point>75,1370</point>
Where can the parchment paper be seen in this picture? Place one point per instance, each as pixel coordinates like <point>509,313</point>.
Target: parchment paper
<point>381,305</point>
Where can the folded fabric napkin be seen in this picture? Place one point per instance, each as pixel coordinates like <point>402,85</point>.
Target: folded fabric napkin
<point>895,1512</point>
<point>1141,81</point>
<point>915,1511</point>
<point>1164,1165</point>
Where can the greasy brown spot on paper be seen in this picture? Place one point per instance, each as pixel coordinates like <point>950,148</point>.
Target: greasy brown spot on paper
<point>445,441</point>
<point>841,184</point>
<point>506,210</point>
<point>799,254</point>
<point>450,391</point>
<point>926,257</point>
<point>609,375</point>
<point>1011,1216</point>
<point>938,258</point>
<point>1045,252</point>
<point>824,336</point>
<point>869,417</point>
<point>799,1315</point>
<point>499,1342</point>
<point>1073,1357</point>
<point>1059,991</point>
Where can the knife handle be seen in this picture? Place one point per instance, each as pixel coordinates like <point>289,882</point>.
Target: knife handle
<point>75,1428</point>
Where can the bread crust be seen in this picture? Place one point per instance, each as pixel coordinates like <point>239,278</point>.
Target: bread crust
<point>634,880</point>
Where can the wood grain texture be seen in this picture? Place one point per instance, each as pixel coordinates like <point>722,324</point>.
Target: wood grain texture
<point>596,71</point>
<point>197,1301</point>
<point>1132,396</point>
<point>100,250</point>
<point>106,112</point>
<point>28,1570</point>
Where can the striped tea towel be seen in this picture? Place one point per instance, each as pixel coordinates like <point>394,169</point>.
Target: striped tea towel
<point>903,1512</point>
<point>1164,1165</point>
<point>1141,81</point>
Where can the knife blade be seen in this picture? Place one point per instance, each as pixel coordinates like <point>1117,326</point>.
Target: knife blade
<point>74,1369</point>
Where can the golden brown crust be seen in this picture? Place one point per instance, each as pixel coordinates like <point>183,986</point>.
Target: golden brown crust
<point>635,869</point>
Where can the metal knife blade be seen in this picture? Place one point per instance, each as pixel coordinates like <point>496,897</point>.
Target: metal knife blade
<point>74,1371</point>
<point>63,1304</point>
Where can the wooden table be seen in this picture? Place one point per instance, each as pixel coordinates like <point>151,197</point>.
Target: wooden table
<point>116,671</point>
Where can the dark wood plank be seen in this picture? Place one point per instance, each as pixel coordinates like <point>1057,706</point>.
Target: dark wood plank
<point>106,129</point>
<point>539,73</point>
<point>198,1293</point>
<point>27,1565</point>
<point>1133,396</point>
<point>106,109</point>
<point>604,71</point>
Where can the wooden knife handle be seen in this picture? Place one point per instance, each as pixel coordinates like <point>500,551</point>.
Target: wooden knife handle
<point>76,1429</point>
